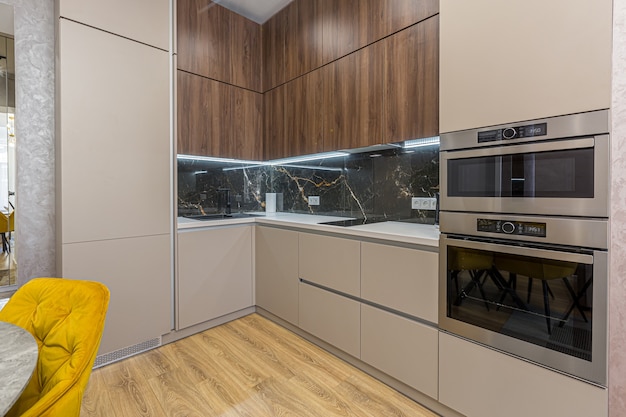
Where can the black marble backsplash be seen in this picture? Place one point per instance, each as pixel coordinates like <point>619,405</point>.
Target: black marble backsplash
<point>368,184</point>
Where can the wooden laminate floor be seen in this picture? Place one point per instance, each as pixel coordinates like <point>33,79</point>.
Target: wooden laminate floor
<point>249,367</point>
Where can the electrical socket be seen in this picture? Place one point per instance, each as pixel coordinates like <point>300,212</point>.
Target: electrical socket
<point>314,200</point>
<point>423,203</point>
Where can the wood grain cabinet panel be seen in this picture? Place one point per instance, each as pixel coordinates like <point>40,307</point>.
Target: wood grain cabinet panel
<point>274,139</point>
<point>304,114</point>
<point>400,14</point>
<point>203,36</point>
<point>273,39</point>
<point>246,125</point>
<point>304,34</point>
<point>203,108</point>
<point>411,96</point>
<point>353,109</point>
<point>217,119</point>
<point>351,24</point>
<point>219,44</point>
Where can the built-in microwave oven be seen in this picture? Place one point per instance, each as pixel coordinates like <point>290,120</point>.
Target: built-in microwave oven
<point>555,166</point>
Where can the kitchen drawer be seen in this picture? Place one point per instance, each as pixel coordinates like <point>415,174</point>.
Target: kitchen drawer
<point>331,262</point>
<point>481,382</point>
<point>401,348</point>
<point>331,317</point>
<point>400,278</point>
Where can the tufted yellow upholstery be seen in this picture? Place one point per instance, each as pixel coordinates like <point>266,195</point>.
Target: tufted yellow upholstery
<point>66,318</point>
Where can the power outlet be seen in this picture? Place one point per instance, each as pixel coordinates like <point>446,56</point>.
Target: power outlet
<point>314,200</point>
<point>423,203</point>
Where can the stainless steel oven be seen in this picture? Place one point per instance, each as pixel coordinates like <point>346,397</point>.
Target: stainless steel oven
<point>555,166</point>
<point>524,240</point>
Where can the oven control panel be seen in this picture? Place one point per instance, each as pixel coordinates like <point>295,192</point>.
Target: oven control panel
<point>514,132</point>
<point>511,227</point>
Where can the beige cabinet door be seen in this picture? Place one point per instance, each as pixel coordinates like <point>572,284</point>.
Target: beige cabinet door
<point>137,272</point>
<point>331,262</point>
<point>114,136</point>
<point>400,278</point>
<point>517,60</point>
<point>401,348</point>
<point>481,382</point>
<point>331,317</point>
<point>214,273</point>
<point>276,274</point>
<point>146,21</point>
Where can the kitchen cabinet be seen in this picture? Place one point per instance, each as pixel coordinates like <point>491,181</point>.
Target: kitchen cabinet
<point>146,21</point>
<point>113,156</point>
<point>217,119</point>
<point>214,273</point>
<point>353,109</point>
<point>274,138</point>
<point>219,44</point>
<point>411,86</point>
<point>402,348</point>
<point>331,317</point>
<point>303,37</point>
<point>509,386</point>
<point>331,262</point>
<point>304,114</point>
<point>523,60</point>
<point>276,272</point>
<point>402,279</point>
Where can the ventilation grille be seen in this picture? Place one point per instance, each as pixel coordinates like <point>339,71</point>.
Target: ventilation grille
<point>126,352</point>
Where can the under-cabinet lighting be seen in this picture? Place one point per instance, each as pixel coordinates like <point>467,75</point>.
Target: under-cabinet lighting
<point>317,168</point>
<point>200,172</point>
<point>305,158</point>
<point>249,165</point>
<point>204,158</point>
<point>416,143</point>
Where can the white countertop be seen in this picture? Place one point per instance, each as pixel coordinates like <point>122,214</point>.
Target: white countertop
<point>412,233</point>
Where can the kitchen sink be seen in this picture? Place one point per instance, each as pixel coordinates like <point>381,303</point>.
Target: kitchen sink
<point>221,216</point>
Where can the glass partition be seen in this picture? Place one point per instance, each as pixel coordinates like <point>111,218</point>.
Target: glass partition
<point>8,257</point>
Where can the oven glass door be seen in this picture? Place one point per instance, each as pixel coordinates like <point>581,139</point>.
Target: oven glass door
<point>562,177</point>
<point>536,295</point>
<point>548,174</point>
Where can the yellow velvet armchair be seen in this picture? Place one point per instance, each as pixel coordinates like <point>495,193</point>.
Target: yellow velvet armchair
<point>66,318</point>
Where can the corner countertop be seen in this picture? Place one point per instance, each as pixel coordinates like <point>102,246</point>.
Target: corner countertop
<point>403,232</point>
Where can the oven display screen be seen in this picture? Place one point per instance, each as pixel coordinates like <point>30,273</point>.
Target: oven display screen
<point>518,132</point>
<point>511,227</point>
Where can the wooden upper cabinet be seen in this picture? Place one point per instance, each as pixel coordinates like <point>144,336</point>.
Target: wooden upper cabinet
<point>274,138</point>
<point>219,44</point>
<point>246,125</point>
<point>217,119</point>
<point>351,24</point>
<point>399,14</point>
<point>304,114</point>
<point>273,38</point>
<point>411,87</point>
<point>353,106</point>
<point>304,34</point>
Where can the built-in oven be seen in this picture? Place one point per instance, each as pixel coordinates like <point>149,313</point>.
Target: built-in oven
<point>555,166</point>
<point>524,240</point>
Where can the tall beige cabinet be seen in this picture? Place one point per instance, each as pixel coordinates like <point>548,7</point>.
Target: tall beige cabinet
<point>114,162</point>
<point>516,60</point>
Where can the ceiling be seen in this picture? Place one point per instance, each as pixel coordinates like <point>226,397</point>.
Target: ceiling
<point>256,10</point>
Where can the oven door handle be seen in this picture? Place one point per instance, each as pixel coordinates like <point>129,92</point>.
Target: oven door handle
<point>517,250</point>
<point>560,145</point>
